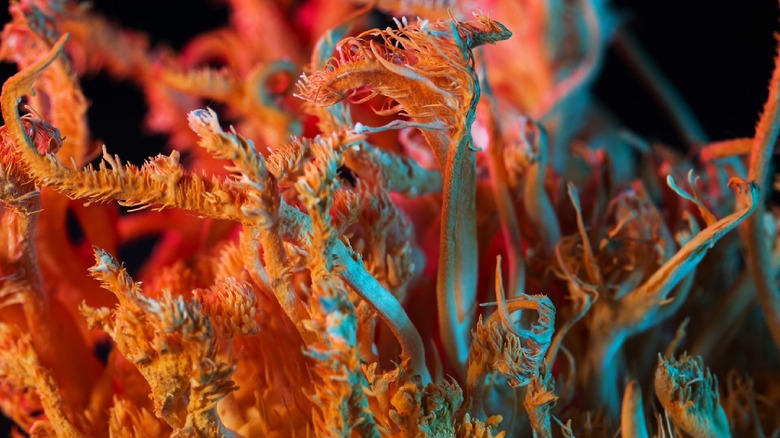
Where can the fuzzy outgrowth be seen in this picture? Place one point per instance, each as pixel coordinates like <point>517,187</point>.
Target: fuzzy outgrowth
<point>339,397</point>
<point>173,344</point>
<point>415,65</point>
<point>427,72</point>
<point>28,386</point>
<point>426,411</point>
<point>689,394</point>
<point>232,307</point>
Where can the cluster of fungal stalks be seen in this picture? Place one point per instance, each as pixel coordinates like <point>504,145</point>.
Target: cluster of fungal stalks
<point>435,232</point>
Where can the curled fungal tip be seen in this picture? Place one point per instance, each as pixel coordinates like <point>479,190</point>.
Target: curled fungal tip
<point>202,118</point>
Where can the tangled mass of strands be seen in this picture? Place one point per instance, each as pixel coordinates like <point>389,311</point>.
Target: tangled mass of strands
<point>430,230</point>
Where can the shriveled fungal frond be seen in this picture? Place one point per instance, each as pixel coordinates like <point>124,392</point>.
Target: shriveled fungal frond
<point>29,383</point>
<point>533,138</point>
<point>261,206</point>
<point>500,186</point>
<point>174,346</point>
<point>515,353</point>
<point>427,411</point>
<point>661,283</point>
<point>161,181</point>
<point>539,401</point>
<point>474,428</point>
<point>417,65</point>
<point>341,408</point>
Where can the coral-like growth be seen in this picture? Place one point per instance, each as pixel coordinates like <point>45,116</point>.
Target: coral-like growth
<point>327,254</point>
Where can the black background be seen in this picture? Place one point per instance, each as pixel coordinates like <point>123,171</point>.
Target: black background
<point>718,53</point>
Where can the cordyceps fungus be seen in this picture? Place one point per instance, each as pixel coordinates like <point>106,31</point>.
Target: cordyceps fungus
<point>427,68</point>
<point>298,240</point>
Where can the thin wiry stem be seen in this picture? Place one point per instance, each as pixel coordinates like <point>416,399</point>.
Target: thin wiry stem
<point>758,256</point>
<point>160,182</point>
<point>720,150</point>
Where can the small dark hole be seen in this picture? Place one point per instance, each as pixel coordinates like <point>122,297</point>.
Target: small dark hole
<point>345,174</point>
<point>102,349</point>
<point>134,254</point>
<point>75,232</point>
